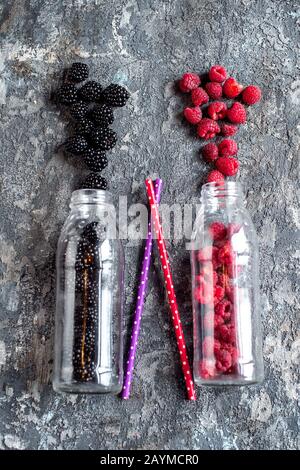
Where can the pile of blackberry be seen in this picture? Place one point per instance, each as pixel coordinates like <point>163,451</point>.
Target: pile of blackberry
<point>90,108</point>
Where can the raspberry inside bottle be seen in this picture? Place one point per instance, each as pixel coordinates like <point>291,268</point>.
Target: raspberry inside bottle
<point>225,290</point>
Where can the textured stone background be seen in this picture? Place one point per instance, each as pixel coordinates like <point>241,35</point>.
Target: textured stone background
<point>145,45</point>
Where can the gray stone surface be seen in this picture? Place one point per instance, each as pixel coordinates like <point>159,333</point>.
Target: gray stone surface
<point>146,45</point>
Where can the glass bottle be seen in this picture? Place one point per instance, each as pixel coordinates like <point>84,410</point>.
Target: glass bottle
<point>89,298</point>
<point>225,290</point>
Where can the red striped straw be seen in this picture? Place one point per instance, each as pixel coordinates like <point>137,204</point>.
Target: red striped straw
<point>170,290</point>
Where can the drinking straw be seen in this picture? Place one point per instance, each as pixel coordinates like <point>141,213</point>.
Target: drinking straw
<point>170,291</point>
<point>140,301</point>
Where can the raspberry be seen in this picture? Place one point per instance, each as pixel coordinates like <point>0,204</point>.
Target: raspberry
<point>215,177</point>
<point>228,129</point>
<point>188,82</point>
<point>231,88</point>
<point>223,280</point>
<point>226,254</point>
<point>227,148</point>
<point>219,293</point>
<point>218,321</point>
<point>209,253</point>
<point>237,114</point>
<point>217,231</point>
<point>210,152</point>
<point>199,96</point>
<point>208,346</point>
<point>193,115</point>
<point>207,368</point>
<point>224,309</point>
<point>217,73</point>
<point>224,360</point>
<point>214,90</point>
<point>203,293</point>
<point>230,292</point>
<point>207,128</point>
<point>217,110</point>
<point>251,94</point>
<point>227,333</point>
<point>227,166</point>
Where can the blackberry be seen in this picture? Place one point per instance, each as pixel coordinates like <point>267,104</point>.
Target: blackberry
<point>67,94</point>
<point>94,181</point>
<point>90,232</point>
<point>85,127</point>
<point>95,159</point>
<point>76,145</point>
<point>102,115</point>
<point>115,95</point>
<point>78,110</point>
<point>78,72</point>
<point>90,91</point>
<point>103,138</point>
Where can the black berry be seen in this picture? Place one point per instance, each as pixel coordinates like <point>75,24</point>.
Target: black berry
<point>115,95</point>
<point>78,72</point>
<point>85,127</point>
<point>90,91</point>
<point>94,181</point>
<point>67,94</point>
<point>78,110</point>
<point>95,159</point>
<point>76,145</point>
<point>102,115</point>
<point>103,138</point>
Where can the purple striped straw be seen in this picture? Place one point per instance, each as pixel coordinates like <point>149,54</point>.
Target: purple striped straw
<point>140,301</point>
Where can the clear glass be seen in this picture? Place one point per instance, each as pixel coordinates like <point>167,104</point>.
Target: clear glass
<point>225,290</point>
<point>89,298</point>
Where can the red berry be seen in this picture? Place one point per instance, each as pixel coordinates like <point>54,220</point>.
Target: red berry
<point>224,360</point>
<point>237,114</point>
<point>218,321</point>
<point>215,177</point>
<point>208,346</point>
<point>210,152</point>
<point>224,309</point>
<point>207,128</point>
<point>223,280</point>
<point>251,94</point>
<point>228,129</point>
<point>219,293</point>
<point>207,368</point>
<point>227,166</point>
<point>199,96</point>
<point>227,333</point>
<point>227,148</point>
<point>217,231</point>
<point>188,82</point>
<point>231,88</point>
<point>214,90</point>
<point>217,110</point>
<point>193,115</point>
<point>226,254</point>
<point>217,73</point>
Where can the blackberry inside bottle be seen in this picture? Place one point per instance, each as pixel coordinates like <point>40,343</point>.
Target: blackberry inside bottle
<point>89,320</point>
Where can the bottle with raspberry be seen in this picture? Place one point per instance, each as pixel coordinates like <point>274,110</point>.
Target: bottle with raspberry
<point>225,290</point>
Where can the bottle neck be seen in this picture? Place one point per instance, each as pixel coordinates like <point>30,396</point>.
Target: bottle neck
<point>82,198</point>
<point>222,194</point>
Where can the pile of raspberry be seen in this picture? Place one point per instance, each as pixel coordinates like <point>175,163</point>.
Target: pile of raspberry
<point>215,117</point>
<point>215,291</point>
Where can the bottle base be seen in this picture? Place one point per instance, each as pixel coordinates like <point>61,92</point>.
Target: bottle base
<point>86,388</point>
<point>228,381</point>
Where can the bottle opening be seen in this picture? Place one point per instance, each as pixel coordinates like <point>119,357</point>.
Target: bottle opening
<point>90,196</point>
<point>222,190</point>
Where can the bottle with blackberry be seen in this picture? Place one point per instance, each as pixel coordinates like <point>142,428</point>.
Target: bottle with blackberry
<point>89,308</point>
